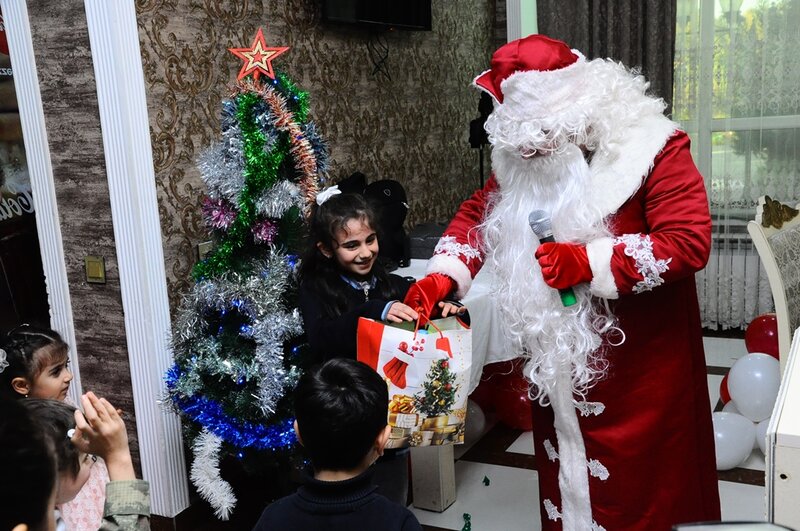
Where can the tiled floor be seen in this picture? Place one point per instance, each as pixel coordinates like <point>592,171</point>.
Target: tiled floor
<point>505,457</point>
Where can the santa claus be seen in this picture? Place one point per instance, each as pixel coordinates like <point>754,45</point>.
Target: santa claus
<point>621,416</point>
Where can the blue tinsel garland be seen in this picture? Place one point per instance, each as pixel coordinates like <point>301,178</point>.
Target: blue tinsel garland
<point>209,414</point>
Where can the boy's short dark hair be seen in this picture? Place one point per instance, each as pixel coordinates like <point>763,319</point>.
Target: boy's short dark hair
<point>56,418</point>
<point>341,407</point>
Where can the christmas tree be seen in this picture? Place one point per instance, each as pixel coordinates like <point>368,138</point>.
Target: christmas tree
<point>438,391</point>
<point>236,337</point>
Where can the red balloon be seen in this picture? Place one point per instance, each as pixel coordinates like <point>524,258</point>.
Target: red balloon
<point>514,408</point>
<point>724,395</point>
<point>503,386</point>
<point>762,335</point>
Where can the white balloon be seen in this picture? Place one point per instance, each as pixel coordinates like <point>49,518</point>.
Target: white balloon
<point>761,435</point>
<point>730,407</point>
<point>733,438</point>
<point>753,383</point>
<point>475,423</point>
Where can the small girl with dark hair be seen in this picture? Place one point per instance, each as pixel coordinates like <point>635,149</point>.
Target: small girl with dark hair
<point>37,364</point>
<point>78,439</point>
<point>34,363</point>
<point>56,419</point>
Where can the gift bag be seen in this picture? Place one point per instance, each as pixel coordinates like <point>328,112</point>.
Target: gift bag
<point>427,370</point>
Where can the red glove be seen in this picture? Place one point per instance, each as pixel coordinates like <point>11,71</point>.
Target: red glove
<point>425,293</point>
<point>564,264</point>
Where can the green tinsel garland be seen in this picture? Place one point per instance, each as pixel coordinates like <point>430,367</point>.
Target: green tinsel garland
<point>260,171</point>
<point>298,96</point>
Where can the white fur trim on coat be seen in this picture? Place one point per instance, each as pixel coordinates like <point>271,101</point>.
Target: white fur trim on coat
<point>573,474</point>
<point>600,252</point>
<point>619,171</point>
<point>453,268</point>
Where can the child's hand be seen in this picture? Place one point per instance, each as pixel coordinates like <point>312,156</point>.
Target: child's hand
<point>101,431</point>
<point>399,312</point>
<point>448,308</point>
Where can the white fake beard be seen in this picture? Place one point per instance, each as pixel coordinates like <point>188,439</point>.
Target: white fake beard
<point>550,335</point>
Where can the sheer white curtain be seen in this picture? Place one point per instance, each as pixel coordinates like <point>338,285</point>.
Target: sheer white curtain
<point>737,94</point>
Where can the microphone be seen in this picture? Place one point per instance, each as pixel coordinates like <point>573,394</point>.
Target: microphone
<point>540,225</point>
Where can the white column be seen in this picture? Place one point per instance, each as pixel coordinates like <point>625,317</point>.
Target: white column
<point>114,40</point>
<point>40,170</point>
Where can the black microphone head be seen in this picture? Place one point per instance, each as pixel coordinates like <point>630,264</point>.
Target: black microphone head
<point>539,221</point>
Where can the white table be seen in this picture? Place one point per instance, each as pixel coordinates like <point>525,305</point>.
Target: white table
<point>489,343</point>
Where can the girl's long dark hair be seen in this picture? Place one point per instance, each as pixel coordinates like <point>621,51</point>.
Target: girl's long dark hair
<point>321,274</point>
<point>27,456</point>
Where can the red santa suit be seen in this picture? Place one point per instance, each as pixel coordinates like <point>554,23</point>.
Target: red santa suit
<point>636,450</point>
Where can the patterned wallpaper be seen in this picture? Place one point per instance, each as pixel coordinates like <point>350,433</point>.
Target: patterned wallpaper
<point>408,121</point>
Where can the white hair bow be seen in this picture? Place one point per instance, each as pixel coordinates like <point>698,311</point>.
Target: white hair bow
<point>327,194</point>
<point>3,361</point>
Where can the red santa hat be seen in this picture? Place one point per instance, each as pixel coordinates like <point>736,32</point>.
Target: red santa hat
<point>534,53</point>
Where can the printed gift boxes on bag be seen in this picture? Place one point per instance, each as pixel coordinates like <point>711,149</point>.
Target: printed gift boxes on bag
<point>427,370</point>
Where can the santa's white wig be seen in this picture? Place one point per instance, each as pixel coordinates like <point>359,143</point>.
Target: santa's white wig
<point>587,103</point>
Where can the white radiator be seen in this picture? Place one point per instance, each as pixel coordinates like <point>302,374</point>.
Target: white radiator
<point>733,289</point>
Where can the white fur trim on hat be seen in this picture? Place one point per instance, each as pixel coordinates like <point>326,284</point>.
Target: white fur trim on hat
<point>600,252</point>
<point>453,268</point>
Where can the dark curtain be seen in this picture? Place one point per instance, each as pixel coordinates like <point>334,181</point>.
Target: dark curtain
<point>638,33</point>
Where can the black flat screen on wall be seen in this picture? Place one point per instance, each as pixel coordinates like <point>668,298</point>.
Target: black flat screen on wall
<point>400,14</point>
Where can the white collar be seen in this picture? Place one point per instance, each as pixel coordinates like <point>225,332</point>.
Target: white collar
<point>619,171</point>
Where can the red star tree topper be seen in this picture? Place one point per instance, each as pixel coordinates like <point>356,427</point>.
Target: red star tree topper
<point>258,58</point>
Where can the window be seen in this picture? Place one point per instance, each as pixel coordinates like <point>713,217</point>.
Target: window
<point>737,94</point>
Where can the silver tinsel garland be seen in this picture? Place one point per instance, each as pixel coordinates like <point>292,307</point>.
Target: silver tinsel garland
<point>274,202</point>
<point>205,475</point>
<point>258,297</point>
<point>270,333</point>
<point>221,166</point>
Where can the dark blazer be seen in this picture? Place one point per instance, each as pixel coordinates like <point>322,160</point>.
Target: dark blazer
<point>334,336</point>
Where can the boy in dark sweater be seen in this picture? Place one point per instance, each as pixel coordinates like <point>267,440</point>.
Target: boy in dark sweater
<point>341,422</point>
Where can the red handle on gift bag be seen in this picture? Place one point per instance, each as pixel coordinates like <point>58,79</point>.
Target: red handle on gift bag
<point>442,343</point>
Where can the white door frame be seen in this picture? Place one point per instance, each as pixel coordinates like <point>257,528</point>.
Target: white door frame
<point>521,19</point>
<point>40,170</point>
